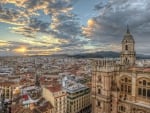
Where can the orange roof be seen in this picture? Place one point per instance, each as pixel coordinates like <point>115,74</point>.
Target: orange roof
<point>55,88</point>
<point>7,83</point>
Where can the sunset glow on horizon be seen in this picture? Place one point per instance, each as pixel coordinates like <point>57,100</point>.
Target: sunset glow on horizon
<point>21,50</point>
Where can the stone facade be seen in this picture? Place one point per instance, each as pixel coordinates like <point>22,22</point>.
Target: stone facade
<point>119,86</point>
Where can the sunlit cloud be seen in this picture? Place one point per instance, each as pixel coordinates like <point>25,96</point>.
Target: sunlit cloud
<point>44,51</point>
<point>13,16</point>
<point>20,50</point>
<point>3,43</point>
<point>16,2</point>
<point>46,40</point>
<point>91,23</point>
<point>52,35</point>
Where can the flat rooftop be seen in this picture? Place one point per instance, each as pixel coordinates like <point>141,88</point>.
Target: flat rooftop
<point>76,88</point>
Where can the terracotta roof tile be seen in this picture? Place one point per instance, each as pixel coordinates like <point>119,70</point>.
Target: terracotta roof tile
<point>55,88</point>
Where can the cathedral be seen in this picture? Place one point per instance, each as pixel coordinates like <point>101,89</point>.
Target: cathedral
<point>121,86</point>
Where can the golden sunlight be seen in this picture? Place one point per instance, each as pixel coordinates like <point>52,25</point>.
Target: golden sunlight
<point>21,50</point>
<point>91,22</point>
<point>3,43</point>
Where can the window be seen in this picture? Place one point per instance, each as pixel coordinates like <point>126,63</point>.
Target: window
<point>126,79</point>
<point>129,89</point>
<point>99,78</point>
<point>98,103</point>
<point>148,93</point>
<point>126,85</point>
<point>126,88</point>
<point>126,47</point>
<point>143,88</point>
<point>122,87</point>
<point>126,61</point>
<point>144,82</point>
<point>122,108</point>
<point>144,92</point>
<point>99,91</point>
<point>139,91</point>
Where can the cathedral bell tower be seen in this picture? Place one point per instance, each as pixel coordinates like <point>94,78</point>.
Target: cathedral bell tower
<point>128,55</point>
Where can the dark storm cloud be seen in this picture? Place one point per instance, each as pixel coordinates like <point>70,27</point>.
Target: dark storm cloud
<point>101,4</point>
<point>58,6</point>
<point>66,28</point>
<point>65,25</point>
<point>71,28</point>
<point>110,24</point>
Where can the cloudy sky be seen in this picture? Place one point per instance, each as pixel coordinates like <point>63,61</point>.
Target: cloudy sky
<point>45,27</point>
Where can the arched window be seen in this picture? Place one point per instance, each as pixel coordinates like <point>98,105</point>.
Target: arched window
<point>126,85</point>
<point>143,88</point>
<point>144,82</point>
<point>99,91</point>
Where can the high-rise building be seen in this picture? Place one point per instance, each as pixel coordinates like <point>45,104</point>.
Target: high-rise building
<point>121,86</point>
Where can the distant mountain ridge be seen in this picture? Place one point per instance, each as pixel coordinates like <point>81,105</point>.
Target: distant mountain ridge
<point>99,54</point>
<point>105,54</point>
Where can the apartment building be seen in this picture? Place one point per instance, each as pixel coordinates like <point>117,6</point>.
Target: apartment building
<point>57,97</point>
